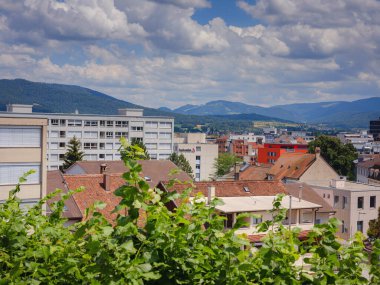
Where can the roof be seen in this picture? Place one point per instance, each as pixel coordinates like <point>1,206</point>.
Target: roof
<point>261,203</point>
<point>258,237</point>
<point>310,195</point>
<point>349,186</point>
<point>369,163</point>
<point>55,181</point>
<point>231,188</point>
<point>254,172</point>
<point>291,165</point>
<point>156,170</point>
<point>95,191</point>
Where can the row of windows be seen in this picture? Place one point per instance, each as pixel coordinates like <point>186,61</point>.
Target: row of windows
<point>271,153</point>
<point>360,202</point>
<point>104,135</point>
<point>103,123</point>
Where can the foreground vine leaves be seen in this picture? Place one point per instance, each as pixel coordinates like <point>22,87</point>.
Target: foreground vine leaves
<point>186,246</point>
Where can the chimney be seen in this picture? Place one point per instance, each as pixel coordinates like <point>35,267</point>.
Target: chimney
<point>300,193</point>
<point>107,182</point>
<point>103,168</point>
<point>338,183</point>
<point>317,151</point>
<point>211,194</point>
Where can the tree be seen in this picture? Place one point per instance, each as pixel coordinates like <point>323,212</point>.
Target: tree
<point>73,153</point>
<point>224,162</point>
<point>340,156</point>
<point>374,227</point>
<point>182,163</point>
<point>144,155</point>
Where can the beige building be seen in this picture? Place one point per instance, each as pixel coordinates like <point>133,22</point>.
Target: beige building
<point>355,204</point>
<point>200,154</point>
<point>23,148</point>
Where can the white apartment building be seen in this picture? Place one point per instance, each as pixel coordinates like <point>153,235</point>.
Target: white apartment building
<point>250,137</point>
<point>100,134</point>
<point>23,148</point>
<point>200,154</point>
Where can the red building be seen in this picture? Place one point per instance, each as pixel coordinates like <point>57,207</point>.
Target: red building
<point>272,151</point>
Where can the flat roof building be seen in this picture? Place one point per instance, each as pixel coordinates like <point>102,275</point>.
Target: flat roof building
<point>100,134</point>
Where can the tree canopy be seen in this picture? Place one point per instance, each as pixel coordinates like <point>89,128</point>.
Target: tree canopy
<point>187,246</point>
<point>224,162</point>
<point>144,155</point>
<point>73,153</point>
<point>340,156</point>
<point>182,163</point>
<point>374,227</point>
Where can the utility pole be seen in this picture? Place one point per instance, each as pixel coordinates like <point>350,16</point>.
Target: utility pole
<point>290,212</point>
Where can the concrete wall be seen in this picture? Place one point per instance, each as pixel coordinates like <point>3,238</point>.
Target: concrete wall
<point>319,172</point>
<point>205,165</point>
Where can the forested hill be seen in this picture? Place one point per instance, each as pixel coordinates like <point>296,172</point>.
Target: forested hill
<point>60,98</point>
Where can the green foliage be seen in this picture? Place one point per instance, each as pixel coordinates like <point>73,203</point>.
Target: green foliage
<point>224,162</point>
<point>127,149</point>
<point>73,153</point>
<point>148,244</point>
<point>374,227</point>
<point>340,156</point>
<point>182,163</point>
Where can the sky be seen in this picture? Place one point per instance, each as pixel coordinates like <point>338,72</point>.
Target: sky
<point>174,52</point>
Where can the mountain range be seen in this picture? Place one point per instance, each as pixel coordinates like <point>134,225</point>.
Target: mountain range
<point>339,113</point>
<point>60,98</point>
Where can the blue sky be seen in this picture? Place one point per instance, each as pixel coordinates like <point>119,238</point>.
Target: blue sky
<point>176,52</point>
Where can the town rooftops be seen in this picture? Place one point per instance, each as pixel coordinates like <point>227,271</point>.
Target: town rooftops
<point>153,171</point>
<point>231,188</point>
<point>291,165</point>
<point>371,162</point>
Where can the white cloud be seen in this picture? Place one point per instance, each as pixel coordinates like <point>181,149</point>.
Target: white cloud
<point>154,53</point>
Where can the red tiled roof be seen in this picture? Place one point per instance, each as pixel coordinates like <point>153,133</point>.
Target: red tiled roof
<point>258,237</point>
<point>95,191</point>
<point>254,172</point>
<point>156,170</point>
<point>232,188</point>
<point>55,181</point>
<point>291,165</point>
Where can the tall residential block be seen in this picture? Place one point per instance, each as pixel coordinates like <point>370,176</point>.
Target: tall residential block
<point>23,144</point>
<point>100,134</point>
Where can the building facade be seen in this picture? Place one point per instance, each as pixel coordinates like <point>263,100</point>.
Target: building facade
<point>200,154</point>
<point>23,148</point>
<point>100,134</point>
<point>374,129</point>
<point>355,204</point>
<point>271,152</point>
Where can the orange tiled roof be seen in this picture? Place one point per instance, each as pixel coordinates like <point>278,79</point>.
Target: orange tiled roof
<point>291,165</point>
<point>254,172</point>
<point>232,188</point>
<point>156,170</point>
<point>95,191</point>
<point>258,237</point>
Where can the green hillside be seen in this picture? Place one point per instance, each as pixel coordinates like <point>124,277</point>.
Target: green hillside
<point>60,98</point>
